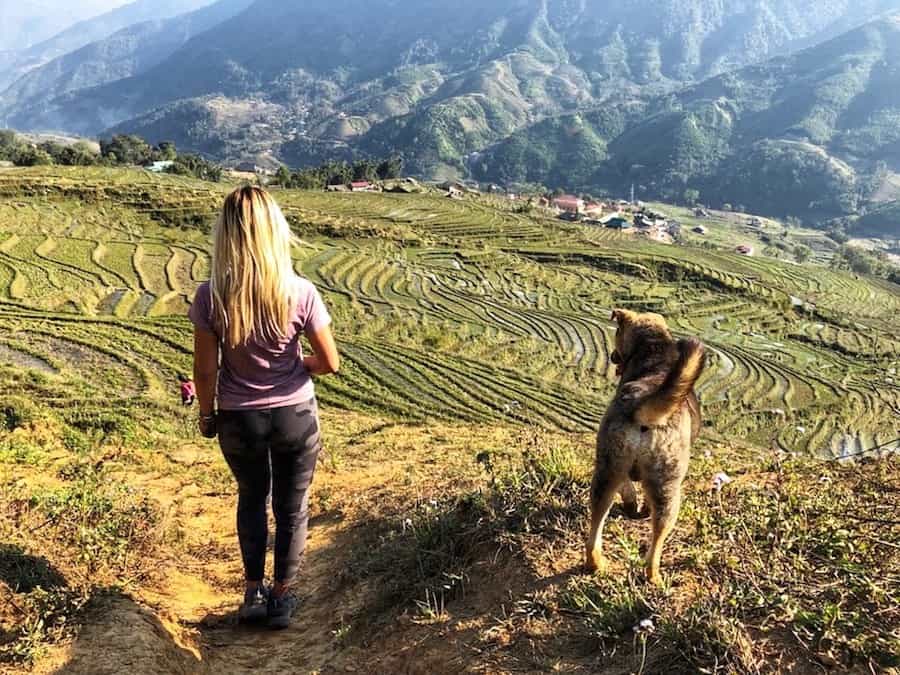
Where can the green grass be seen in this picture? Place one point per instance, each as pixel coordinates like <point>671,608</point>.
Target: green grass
<point>428,289</point>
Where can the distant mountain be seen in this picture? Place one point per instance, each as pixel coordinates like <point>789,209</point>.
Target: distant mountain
<point>87,31</point>
<point>580,94</point>
<point>390,70</point>
<point>813,135</point>
<point>125,53</point>
<point>24,23</point>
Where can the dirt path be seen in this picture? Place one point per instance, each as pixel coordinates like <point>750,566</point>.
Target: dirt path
<point>183,619</point>
<point>186,621</point>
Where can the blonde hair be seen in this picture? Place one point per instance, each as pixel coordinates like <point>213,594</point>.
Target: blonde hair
<point>253,281</point>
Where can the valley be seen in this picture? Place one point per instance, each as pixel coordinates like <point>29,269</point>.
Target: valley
<point>454,177</point>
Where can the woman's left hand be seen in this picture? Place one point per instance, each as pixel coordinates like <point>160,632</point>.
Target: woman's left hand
<point>207,426</point>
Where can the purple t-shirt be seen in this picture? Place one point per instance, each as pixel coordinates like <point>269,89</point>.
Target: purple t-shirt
<point>263,374</point>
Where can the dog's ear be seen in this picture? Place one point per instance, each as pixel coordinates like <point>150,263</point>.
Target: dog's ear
<point>623,316</point>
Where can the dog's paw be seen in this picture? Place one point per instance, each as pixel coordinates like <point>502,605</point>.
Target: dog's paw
<point>595,562</point>
<point>654,577</point>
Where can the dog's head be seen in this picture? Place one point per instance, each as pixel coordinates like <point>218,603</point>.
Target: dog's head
<point>633,332</point>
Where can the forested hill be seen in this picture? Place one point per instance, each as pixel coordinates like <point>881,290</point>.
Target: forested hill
<point>440,81</point>
<point>125,53</point>
<point>815,134</point>
<point>18,61</point>
<point>669,95</point>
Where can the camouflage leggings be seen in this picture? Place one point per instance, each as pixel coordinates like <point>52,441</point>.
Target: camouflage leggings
<point>278,448</point>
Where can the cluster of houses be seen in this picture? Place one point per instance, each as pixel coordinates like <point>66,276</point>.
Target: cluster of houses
<point>618,215</point>
<point>570,207</point>
<point>353,186</point>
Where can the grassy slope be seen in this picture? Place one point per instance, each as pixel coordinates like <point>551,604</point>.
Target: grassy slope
<point>441,505</point>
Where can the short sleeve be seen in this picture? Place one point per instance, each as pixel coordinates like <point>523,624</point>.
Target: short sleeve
<point>200,312</point>
<point>312,313</point>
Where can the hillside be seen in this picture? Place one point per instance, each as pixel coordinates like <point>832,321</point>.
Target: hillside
<point>432,84</point>
<point>448,510</point>
<point>123,54</point>
<point>86,31</point>
<point>810,135</point>
<point>28,22</point>
<point>881,222</point>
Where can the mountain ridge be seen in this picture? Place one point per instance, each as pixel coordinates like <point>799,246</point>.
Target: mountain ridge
<point>666,95</point>
<point>125,53</point>
<point>89,30</point>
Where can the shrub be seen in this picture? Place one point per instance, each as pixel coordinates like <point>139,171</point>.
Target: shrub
<point>18,413</point>
<point>101,522</point>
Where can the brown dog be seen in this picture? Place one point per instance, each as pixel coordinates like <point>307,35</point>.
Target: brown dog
<point>648,430</point>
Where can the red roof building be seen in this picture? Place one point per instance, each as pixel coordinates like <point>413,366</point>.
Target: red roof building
<point>569,203</point>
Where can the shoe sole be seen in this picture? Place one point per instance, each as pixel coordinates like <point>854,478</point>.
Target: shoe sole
<point>252,614</point>
<point>279,623</point>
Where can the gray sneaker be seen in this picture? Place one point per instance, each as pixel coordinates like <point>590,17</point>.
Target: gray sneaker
<point>254,606</point>
<point>281,610</point>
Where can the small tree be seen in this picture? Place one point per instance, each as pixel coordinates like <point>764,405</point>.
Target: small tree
<point>364,169</point>
<point>838,235</point>
<point>390,168</point>
<point>691,196</point>
<point>28,155</point>
<point>166,151</point>
<point>196,166</point>
<point>283,176</point>
<point>802,253</point>
<point>126,149</point>
<point>9,144</point>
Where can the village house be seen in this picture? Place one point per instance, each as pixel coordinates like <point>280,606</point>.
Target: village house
<point>568,204</point>
<point>617,222</point>
<point>594,209</point>
<point>360,186</point>
<point>252,167</point>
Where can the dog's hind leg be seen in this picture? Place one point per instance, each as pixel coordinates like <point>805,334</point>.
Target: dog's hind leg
<point>630,501</point>
<point>665,500</point>
<point>603,493</point>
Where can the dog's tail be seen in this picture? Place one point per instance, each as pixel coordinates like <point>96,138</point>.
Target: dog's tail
<point>659,406</point>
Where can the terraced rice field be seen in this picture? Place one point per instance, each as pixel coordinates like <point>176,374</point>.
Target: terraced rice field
<point>445,309</point>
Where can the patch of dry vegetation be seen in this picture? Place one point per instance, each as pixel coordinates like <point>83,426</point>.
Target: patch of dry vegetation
<point>795,563</point>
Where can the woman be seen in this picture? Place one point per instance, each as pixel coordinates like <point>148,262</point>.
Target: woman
<point>249,317</point>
